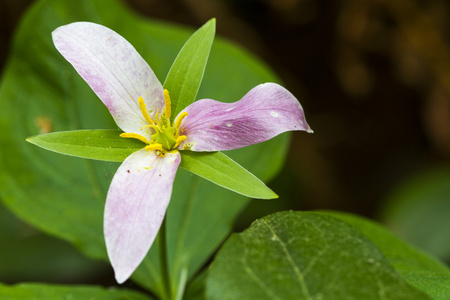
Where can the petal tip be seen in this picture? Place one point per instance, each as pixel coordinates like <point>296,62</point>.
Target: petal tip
<point>307,128</point>
<point>121,277</point>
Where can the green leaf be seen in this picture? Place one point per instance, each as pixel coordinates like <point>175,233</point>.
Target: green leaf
<point>185,76</point>
<point>63,195</point>
<point>296,255</point>
<point>196,290</point>
<point>107,145</point>
<point>50,259</point>
<point>414,266</point>
<point>222,170</point>
<point>36,291</point>
<point>423,199</point>
<point>97,144</point>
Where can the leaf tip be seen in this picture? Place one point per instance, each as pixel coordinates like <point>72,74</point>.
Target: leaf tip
<point>211,23</point>
<point>30,139</point>
<point>268,195</point>
<point>273,195</point>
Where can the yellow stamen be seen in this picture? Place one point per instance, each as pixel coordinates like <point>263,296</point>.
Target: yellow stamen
<point>165,136</point>
<point>168,108</point>
<point>180,139</point>
<point>180,119</point>
<point>154,147</point>
<point>150,126</point>
<point>134,136</point>
<point>157,122</point>
<point>144,111</point>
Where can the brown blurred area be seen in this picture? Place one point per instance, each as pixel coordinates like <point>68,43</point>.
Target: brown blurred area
<point>372,75</point>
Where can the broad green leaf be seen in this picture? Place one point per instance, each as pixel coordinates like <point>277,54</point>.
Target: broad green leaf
<point>63,195</point>
<point>185,76</point>
<point>35,291</point>
<point>222,170</point>
<point>418,211</point>
<point>414,266</point>
<point>196,290</point>
<point>49,259</point>
<point>97,144</point>
<point>296,255</point>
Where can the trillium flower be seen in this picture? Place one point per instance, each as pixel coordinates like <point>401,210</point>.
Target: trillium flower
<point>140,191</point>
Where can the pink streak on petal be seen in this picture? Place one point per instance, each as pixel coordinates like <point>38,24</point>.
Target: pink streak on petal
<point>135,207</point>
<point>264,112</point>
<point>113,69</point>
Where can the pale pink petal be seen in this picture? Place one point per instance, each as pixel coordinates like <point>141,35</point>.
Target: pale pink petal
<point>135,207</point>
<point>113,69</point>
<point>264,112</point>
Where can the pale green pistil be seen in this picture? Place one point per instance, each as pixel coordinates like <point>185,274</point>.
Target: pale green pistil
<point>166,137</point>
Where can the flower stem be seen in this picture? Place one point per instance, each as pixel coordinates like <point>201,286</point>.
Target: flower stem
<point>182,284</point>
<point>164,259</point>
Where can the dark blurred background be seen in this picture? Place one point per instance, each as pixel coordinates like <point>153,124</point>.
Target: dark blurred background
<point>372,75</point>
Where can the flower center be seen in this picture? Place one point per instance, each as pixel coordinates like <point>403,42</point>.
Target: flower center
<point>167,136</point>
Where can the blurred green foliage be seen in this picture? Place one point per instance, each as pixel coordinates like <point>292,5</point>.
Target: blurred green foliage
<point>29,255</point>
<point>27,291</point>
<point>418,211</point>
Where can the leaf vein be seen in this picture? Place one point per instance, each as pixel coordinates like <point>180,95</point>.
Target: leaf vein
<point>299,275</point>
<point>256,279</point>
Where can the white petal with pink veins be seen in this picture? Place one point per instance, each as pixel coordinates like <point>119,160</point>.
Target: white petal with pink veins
<point>113,69</point>
<point>135,207</point>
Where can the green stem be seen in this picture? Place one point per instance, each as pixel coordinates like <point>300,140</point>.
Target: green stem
<point>182,284</point>
<point>164,259</point>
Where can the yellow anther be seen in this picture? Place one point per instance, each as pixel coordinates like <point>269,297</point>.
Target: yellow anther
<point>144,111</point>
<point>180,139</point>
<point>134,136</point>
<point>180,119</point>
<point>168,108</point>
<point>154,147</point>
